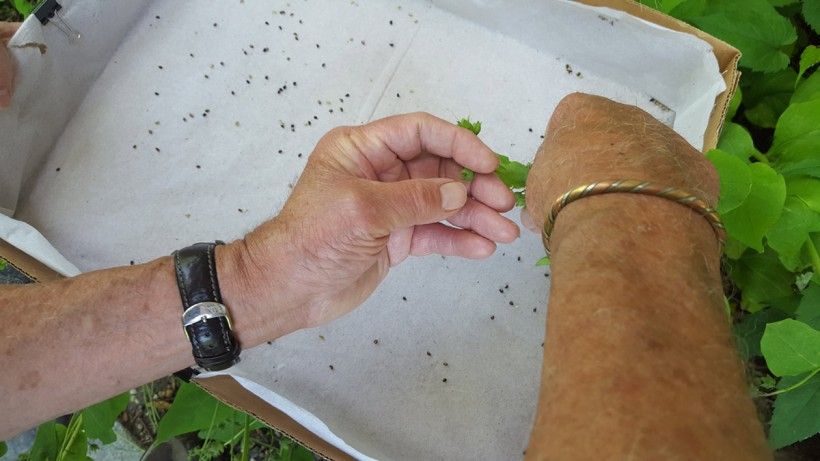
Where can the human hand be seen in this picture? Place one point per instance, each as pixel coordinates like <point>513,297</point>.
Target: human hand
<point>7,30</point>
<point>369,197</point>
<point>591,138</point>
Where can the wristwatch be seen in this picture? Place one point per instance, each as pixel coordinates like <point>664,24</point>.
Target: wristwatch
<point>206,321</point>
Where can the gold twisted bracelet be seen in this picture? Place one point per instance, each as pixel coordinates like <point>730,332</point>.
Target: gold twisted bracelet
<point>634,186</point>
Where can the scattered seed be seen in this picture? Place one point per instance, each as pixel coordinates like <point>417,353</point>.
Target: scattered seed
<point>156,149</point>
<point>300,155</point>
<point>331,367</point>
<point>221,63</point>
<point>363,43</point>
<point>233,93</point>
<point>132,262</point>
<point>199,167</point>
<point>134,146</point>
<point>519,259</point>
<point>156,93</point>
<point>160,67</point>
<point>280,27</point>
<point>391,22</point>
<point>535,309</point>
<point>150,131</point>
<point>215,24</point>
<point>429,354</point>
<point>321,337</point>
<point>391,45</point>
<point>492,317</point>
<point>375,341</point>
<point>511,303</point>
<point>267,23</point>
<point>445,364</point>
<point>157,16</point>
<point>191,55</point>
<point>265,49</point>
<point>240,210</point>
<point>58,169</point>
<point>270,342</point>
<point>317,46</point>
<point>398,95</point>
<point>404,298</point>
<point>444,380</point>
<point>507,286</point>
<point>206,76</point>
<point>315,118</point>
<point>501,290</point>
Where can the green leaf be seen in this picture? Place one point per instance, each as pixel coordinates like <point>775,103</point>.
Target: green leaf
<point>3,448</point>
<point>736,140</point>
<point>749,331</point>
<point>808,311</point>
<point>761,278</point>
<point>782,2</point>
<point>230,428</point>
<point>513,174</point>
<point>791,347</point>
<point>735,179</point>
<point>750,221</point>
<point>24,7</point>
<point>795,412</point>
<point>811,13</point>
<point>664,6</point>
<point>807,167</point>
<point>807,190</point>
<point>807,89</point>
<point>99,419</point>
<point>791,232</point>
<point>766,96</point>
<point>193,409</point>
<point>809,57</point>
<point>46,441</point>
<point>797,135</point>
<point>475,127</point>
<point>734,103</point>
<point>545,261</point>
<point>74,443</point>
<point>753,26</point>
<point>467,174</point>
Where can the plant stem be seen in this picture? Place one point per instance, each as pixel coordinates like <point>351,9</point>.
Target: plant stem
<point>246,439</point>
<point>793,386</point>
<point>75,425</point>
<point>760,157</point>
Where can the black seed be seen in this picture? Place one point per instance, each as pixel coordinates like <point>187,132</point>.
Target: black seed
<point>300,155</point>
<point>331,111</point>
<point>199,167</point>
<point>221,63</point>
<point>215,24</point>
<point>492,317</point>
<point>534,309</point>
<point>341,109</point>
<point>507,286</point>
<point>280,151</point>
<point>315,118</point>
<point>530,130</point>
<point>267,23</point>
<point>363,42</point>
<point>519,258</point>
<point>134,146</point>
<point>511,303</point>
<point>270,342</point>
<point>331,367</point>
<point>160,67</point>
<point>58,169</point>
<point>204,114</point>
<point>156,93</point>
<point>265,49</point>
<point>150,131</point>
<point>391,22</point>
<point>240,210</point>
<point>501,290</point>
<point>398,95</point>
<point>317,45</point>
<point>429,354</point>
<point>233,93</point>
<point>347,95</point>
<point>404,298</point>
<point>542,136</point>
<point>391,44</point>
<point>288,58</point>
<point>207,111</point>
<point>191,55</point>
<point>248,82</point>
<point>267,78</point>
<point>294,83</point>
<point>157,149</point>
<point>444,380</point>
<point>375,341</point>
<point>280,27</point>
<point>323,64</point>
<point>445,364</point>
<point>157,16</point>
<point>246,53</point>
<point>206,76</point>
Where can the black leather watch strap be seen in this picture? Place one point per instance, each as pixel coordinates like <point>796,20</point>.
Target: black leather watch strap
<point>205,319</point>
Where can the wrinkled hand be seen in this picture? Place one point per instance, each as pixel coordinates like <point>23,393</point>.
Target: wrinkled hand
<point>591,138</point>
<point>7,29</point>
<point>369,197</point>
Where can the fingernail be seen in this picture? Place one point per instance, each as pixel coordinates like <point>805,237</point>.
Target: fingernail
<point>453,196</point>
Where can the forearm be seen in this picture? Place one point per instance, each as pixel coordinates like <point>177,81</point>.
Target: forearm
<point>639,360</point>
<point>86,338</point>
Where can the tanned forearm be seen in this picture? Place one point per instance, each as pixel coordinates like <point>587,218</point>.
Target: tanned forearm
<point>86,338</point>
<point>639,361</point>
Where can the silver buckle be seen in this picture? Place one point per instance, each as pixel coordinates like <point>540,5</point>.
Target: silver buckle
<point>204,311</point>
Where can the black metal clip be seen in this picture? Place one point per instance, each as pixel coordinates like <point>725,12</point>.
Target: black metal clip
<point>49,11</point>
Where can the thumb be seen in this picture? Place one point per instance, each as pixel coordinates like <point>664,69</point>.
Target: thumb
<point>410,202</point>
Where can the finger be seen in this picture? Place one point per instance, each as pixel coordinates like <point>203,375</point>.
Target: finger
<point>485,222</point>
<point>486,188</point>
<point>402,204</point>
<point>448,241</point>
<point>410,135</point>
<point>7,30</point>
